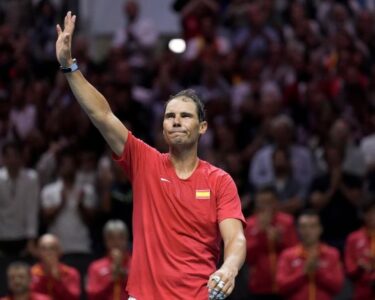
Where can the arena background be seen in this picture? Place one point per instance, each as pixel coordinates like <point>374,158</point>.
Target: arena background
<point>294,72</point>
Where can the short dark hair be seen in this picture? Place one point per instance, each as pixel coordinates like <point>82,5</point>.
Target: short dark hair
<point>191,94</point>
<point>267,189</point>
<point>11,145</point>
<point>19,265</point>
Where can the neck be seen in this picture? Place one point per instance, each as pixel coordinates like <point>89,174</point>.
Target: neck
<point>310,246</point>
<point>184,160</point>
<point>68,182</point>
<point>21,296</point>
<point>13,173</point>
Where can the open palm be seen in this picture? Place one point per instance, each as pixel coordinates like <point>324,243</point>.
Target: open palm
<point>64,40</point>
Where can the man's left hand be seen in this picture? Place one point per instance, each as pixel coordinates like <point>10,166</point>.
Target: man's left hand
<point>221,283</point>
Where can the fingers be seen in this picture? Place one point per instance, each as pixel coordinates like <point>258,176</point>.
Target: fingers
<point>219,287</point>
<point>58,30</point>
<point>69,22</point>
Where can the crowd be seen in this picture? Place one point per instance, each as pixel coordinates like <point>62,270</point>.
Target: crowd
<point>289,89</point>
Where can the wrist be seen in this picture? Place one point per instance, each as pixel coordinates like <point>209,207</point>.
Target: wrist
<point>70,66</point>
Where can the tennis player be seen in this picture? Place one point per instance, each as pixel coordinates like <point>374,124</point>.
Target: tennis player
<point>183,206</point>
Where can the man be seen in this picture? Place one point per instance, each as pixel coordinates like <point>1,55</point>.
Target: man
<point>19,204</point>
<point>268,233</point>
<point>310,270</point>
<point>19,279</point>
<point>261,169</point>
<point>108,276</point>
<point>183,206</point>
<point>68,206</point>
<point>52,278</point>
<point>360,255</point>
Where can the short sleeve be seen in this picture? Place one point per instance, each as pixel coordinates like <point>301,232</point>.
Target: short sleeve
<point>136,154</point>
<point>228,200</point>
<point>90,199</point>
<point>50,197</point>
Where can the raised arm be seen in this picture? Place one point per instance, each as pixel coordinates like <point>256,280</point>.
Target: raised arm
<point>90,99</point>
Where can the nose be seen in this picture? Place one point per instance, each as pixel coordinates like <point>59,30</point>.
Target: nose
<point>176,121</point>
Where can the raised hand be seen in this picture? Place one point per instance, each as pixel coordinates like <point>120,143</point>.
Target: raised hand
<point>64,40</point>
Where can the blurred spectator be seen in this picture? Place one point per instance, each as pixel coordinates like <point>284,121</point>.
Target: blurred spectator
<point>210,44</point>
<point>336,195</point>
<point>253,40</point>
<point>290,193</point>
<point>19,280</point>
<point>261,169</point>
<point>52,278</point>
<point>19,204</point>
<point>137,36</point>
<point>360,255</point>
<point>117,196</point>
<point>268,233</point>
<point>23,115</point>
<point>191,12</point>
<point>107,276</point>
<point>68,207</point>
<point>310,270</point>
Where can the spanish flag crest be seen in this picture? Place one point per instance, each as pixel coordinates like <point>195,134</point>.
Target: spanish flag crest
<point>203,194</point>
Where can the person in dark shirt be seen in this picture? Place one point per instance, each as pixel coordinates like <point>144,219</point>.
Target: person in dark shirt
<point>336,194</point>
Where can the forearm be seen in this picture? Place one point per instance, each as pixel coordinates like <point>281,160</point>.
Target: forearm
<point>234,253</point>
<point>90,99</point>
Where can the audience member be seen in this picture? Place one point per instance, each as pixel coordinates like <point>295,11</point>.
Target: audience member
<point>336,195</point>
<point>19,204</point>
<point>310,270</point>
<point>68,207</point>
<point>261,170</point>
<point>107,276</point>
<point>360,255</point>
<point>268,233</point>
<point>19,280</point>
<point>51,277</point>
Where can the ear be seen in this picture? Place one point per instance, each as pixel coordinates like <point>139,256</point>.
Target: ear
<point>203,127</point>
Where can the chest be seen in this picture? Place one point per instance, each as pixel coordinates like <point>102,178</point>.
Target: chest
<point>177,202</point>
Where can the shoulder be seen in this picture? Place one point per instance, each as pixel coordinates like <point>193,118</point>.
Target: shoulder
<point>52,187</point>
<point>101,262</point>
<point>329,251</point>
<point>37,270</point>
<point>291,252</point>
<point>284,218</point>
<point>30,174</point>
<point>213,171</point>
<point>355,235</point>
<point>68,270</point>
<point>3,173</point>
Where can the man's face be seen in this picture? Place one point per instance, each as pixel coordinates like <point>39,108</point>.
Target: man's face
<point>49,252</point>
<point>12,159</point>
<point>116,240</point>
<point>18,280</point>
<point>265,202</point>
<point>309,229</point>
<point>181,125</point>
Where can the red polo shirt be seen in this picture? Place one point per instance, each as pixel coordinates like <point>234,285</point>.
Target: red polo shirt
<point>67,287</point>
<point>100,283</point>
<point>323,284</point>
<point>175,223</point>
<point>360,245</point>
<point>263,254</point>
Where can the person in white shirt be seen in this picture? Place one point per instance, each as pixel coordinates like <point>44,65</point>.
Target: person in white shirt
<point>19,203</point>
<point>68,207</point>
